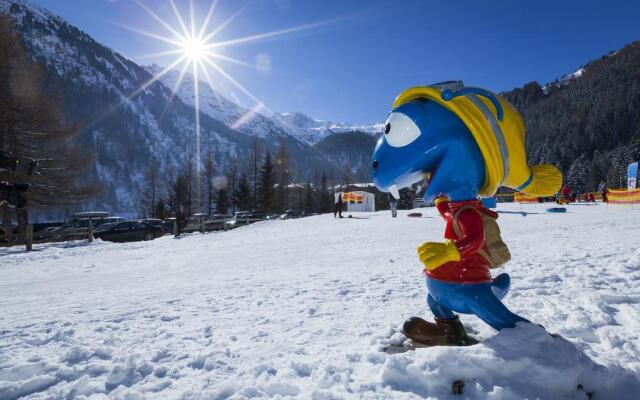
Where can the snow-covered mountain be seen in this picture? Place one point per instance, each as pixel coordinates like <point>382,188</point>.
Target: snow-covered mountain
<point>312,131</point>
<point>217,106</point>
<point>257,121</point>
<point>563,81</point>
<point>127,128</point>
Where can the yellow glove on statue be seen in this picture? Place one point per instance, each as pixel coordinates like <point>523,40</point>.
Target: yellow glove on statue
<point>434,255</point>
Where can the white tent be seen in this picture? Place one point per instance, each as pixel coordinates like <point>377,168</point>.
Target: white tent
<point>359,201</point>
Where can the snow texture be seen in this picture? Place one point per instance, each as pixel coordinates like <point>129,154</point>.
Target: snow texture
<point>302,308</point>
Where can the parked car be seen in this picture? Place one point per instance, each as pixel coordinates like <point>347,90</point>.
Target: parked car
<point>242,218</point>
<point>78,226</point>
<point>41,230</point>
<point>195,223</point>
<point>158,223</point>
<point>167,225</point>
<point>14,231</point>
<point>291,214</point>
<point>128,231</point>
<point>216,222</point>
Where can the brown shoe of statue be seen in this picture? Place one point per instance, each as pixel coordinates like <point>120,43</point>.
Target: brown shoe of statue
<point>445,332</point>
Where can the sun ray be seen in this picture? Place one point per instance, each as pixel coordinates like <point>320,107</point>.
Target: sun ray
<point>195,52</point>
<point>234,82</point>
<point>220,27</point>
<point>160,54</point>
<point>178,82</point>
<point>179,17</point>
<point>210,82</point>
<point>248,116</point>
<point>193,20</point>
<point>196,96</point>
<point>126,98</point>
<point>157,77</point>
<point>149,34</point>
<point>207,19</point>
<point>268,35</point>
<point>157,18</point>
<point>230,59</point>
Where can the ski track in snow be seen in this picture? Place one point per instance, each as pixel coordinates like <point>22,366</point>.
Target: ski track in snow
<point>301,308</point>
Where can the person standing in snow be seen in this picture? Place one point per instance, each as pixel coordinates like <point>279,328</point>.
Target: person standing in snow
<point>337,206</point>
<point>393,204</point>
<point>566,195</point>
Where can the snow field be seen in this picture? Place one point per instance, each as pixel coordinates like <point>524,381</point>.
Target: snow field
<point>301,309</point>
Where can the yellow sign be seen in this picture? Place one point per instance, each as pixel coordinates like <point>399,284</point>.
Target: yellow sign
<point>352,198</point>
<point>623,196</point>
<point>524,198</point>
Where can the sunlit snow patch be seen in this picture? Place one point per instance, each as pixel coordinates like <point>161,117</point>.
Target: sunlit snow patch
<point>525,362</point>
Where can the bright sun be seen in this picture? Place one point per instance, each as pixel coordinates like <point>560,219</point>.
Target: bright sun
<point>194,48</point>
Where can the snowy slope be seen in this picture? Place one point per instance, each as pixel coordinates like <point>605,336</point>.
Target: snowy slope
<point>300,308</point>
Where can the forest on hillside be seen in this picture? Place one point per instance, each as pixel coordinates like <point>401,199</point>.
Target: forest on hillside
<point>589,126</point>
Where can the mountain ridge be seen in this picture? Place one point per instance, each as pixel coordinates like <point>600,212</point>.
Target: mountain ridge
<point>299,125</point>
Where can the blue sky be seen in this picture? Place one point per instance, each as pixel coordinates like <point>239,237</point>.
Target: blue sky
<point>351,69</point>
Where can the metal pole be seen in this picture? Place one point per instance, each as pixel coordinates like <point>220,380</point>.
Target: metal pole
<point>90,238</point>
<point>29,241</point>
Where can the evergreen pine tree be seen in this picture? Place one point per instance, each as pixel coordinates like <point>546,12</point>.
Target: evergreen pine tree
<point>160,210</point>
<point>222,201</point>
<point>266,183</point>
<point>209,172</point>
<point>243,195</point>
<point>577,174</point>
<point>150,190</point>
<point>282,164</point>
<point>255,170</point>
<point>325,199</point>
<point>347,177</point>
<point>308,203</point>
<point>598,173</point>
<point>232,181</point>
<point>634,146</point>
<point>180,200</point>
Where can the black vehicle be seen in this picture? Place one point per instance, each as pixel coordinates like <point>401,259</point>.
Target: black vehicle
<point>41,230</point>
<point>216,222</point>
<point>129,231</point>
<point>78,226</point>
<point>157,223</point>
<point>291,214</point>
<point>14,231</point>
<point>257,216</point>
<point>242,218</point>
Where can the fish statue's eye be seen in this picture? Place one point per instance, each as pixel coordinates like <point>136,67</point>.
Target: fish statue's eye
<point>400,130</point>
